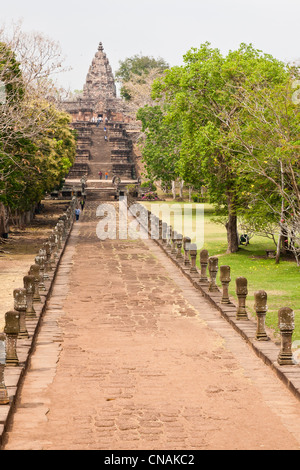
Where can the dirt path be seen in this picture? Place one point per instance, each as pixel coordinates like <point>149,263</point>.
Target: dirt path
<point>130,356</point>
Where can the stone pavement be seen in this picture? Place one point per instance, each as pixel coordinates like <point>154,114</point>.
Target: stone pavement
<point>131,356</point>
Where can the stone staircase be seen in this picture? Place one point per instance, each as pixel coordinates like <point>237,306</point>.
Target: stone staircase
<point>95,154</point>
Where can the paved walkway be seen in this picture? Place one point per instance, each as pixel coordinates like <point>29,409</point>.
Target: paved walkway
<point>131,356</point>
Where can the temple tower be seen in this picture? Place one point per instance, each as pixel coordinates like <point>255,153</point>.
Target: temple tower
<point>100,84</point>
<point>99,96</point>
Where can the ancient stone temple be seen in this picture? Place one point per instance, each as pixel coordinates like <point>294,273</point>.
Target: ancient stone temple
<point>103,141</point>
<point>99,97</point>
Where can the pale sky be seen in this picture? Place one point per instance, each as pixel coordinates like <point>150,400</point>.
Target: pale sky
<point>158,28</point>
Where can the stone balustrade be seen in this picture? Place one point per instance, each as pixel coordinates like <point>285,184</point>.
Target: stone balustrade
<point>184,254</point>
<point>29,303</point>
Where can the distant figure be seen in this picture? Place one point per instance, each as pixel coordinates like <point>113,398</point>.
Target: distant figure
<point>77,213</point>
<point>106,175</point>
<point>98,122</point>
<point>104,128</point>
<point>244,240</point>
<point>100,174</point>
<point>106,119</point>
<point>105,138</point>
<point>82,204</point>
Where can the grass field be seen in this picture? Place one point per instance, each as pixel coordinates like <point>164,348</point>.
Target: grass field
<point>281,281</point>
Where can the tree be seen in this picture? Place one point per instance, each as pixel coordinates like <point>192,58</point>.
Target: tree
<point>269,141</point>
<point>136,69</point>
<point>161,147</point>
<point>205,94</point>
<point>37,146</point>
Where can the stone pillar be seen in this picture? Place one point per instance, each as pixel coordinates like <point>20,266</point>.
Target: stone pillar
<point>160,229</point>
<point>43,256</point>
<point>20,305</point>
<point>186,248</point>
<point>62,225</point>
<point>48,264</point>
<point>58,233</point>
<point>52,240</point>
<point>39,260</point>
<point>286,323</point>
<point>173,237</point>
<point>204,256</point>
<point>241,292</point>
<point>34,270</point>
<point>179,255</point>
<point>4,399</point>
<point>193,256</point>
<point>11,330</point>
<point>169,238</point>
<point>164,232</point>
<point>213,271</point>
<point>225,280</point>
<point>154,227</point>
<point>261,309</point>
<point>29,286</point>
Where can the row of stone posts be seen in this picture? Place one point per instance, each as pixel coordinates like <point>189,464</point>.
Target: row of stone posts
<point>185,253</point>
<point>35,285</point>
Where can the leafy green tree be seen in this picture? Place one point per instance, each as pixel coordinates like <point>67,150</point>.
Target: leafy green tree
<point>206,94</point>
<point>37,146</point>
<point>161,147</point>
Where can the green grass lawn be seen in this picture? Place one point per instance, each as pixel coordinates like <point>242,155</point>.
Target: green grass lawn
<point>281,281</point>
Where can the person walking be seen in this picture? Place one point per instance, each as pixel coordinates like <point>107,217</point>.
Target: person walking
<point>100,175</point>
<point>106,175</point>
<point>77,213</point>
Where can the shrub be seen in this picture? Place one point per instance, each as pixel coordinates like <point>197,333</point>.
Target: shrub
<point>151,196</point>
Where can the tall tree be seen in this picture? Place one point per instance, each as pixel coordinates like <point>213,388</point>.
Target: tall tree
<point>205,94</point>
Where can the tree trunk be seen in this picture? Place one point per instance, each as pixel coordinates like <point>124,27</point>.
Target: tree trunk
<point>231,227</point>
<point>3,220</point>
<point>174,189</point>
<point>181,188</point>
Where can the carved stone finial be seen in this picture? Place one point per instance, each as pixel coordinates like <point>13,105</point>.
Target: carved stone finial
<point>261,309</point>
<point>213,270</point>
<point>100,47</point>
<point>225,280</point>
<point>204,256</point>
<point>286,323</point>
<point>241,292</point>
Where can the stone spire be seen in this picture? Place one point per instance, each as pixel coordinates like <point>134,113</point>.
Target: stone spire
<point>100,84</point>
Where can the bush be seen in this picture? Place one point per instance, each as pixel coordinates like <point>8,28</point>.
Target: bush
<point>151,196</point>
<point>148,184</point>
<point>197,198</point>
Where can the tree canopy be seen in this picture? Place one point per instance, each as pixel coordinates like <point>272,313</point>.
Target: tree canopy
<point>37,146</point>
<point>234,113</point>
